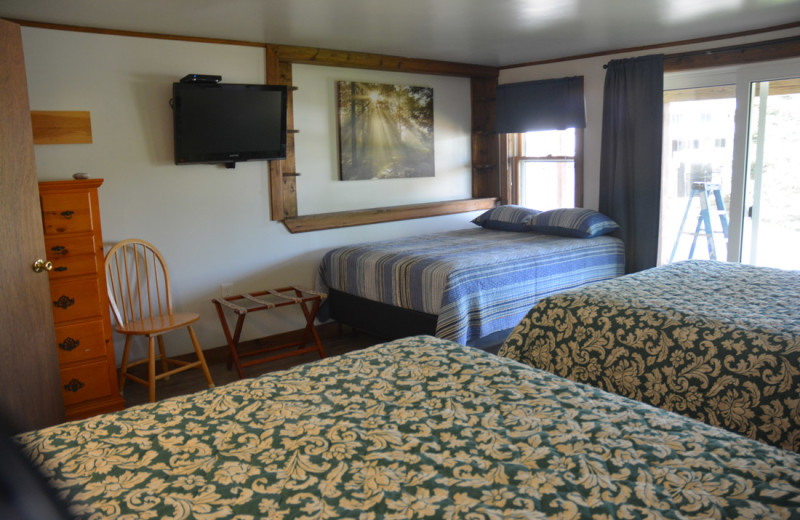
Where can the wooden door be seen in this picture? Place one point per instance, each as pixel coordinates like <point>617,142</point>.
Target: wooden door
<point>30,394</point>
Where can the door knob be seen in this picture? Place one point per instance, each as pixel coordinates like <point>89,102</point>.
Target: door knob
<point>42,265</point>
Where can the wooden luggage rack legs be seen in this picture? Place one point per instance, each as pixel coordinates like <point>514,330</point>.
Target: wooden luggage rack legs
<point>309,302</point>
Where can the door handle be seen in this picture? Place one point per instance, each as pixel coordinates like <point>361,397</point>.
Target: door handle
<point>41,265</point>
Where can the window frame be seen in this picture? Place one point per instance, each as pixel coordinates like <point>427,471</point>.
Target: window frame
<point>511,165</point>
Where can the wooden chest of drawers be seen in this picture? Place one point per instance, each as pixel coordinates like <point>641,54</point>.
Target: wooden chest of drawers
<point>74,243</point>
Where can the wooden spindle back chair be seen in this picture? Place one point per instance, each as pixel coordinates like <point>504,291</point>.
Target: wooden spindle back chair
<point>141,300</point>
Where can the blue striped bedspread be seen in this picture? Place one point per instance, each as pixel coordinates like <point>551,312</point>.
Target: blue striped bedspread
<point>477,281</point>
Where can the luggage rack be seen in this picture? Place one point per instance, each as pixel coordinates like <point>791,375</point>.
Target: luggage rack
<point>309,301</point>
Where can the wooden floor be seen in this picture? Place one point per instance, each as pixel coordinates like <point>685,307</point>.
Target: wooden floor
<point>335,342</point>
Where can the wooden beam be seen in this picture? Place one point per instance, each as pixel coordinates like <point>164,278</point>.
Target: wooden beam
<point>640,49</point>
<point>361,60</point>
<point>132,34</point>
<point>734,55</point>
<point>273,68</point>
<point>289,165</point>
<point>485,145</point>
<point>362,217</point>
<point>61,127</point>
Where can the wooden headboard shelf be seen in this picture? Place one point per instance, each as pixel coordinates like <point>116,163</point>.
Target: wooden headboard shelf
<point>61,127</point>
<point>320,221</point>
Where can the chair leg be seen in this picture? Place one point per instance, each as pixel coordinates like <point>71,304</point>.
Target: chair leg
<point>151,368</point>
<point>200,357</point>
<point>164,365</point>
<point>123,369</point>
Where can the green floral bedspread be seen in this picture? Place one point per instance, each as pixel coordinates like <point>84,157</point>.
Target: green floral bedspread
<point>416,428</point>
<point>719,342</point>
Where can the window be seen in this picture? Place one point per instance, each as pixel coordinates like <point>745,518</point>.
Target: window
<point>546,168</point>
<point>542,122</point>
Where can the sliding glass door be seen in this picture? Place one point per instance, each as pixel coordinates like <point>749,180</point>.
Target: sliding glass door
<point>731,165</point>
<point>696,169</point>
<point>771,231</point>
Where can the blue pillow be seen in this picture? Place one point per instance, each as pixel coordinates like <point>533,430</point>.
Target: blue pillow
<point>506,218</point>
<point>572,222</point>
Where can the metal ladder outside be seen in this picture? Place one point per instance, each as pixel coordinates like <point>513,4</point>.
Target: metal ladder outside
<point>702,190</point>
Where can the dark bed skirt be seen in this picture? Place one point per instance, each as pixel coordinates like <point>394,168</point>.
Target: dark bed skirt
<point>388,322</point>
<point>378,319</point>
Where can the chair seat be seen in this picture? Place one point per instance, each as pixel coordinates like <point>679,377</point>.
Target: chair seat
<point>157,324</point>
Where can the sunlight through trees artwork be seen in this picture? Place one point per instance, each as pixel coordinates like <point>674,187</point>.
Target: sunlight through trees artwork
<point>385,131</point>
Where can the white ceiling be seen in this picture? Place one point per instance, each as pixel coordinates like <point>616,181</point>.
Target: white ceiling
<point>486,32</point>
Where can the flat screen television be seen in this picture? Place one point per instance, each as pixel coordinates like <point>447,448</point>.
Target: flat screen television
<point>228,123</point>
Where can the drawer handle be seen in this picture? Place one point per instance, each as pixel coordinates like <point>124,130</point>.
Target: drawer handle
<point>60,269</point>
<point>60,249</point>
<point>67,214</point>
<point>74,385</point>
<point>64,302</point>
<point>69,344</point>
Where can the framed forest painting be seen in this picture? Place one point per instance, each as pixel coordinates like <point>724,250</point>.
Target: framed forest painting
<point>385,131</point>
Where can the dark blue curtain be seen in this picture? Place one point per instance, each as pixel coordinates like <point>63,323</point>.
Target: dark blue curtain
<point>630,160</point>
<point>551,104</point>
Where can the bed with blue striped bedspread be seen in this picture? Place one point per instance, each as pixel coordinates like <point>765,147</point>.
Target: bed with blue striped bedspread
<point>476,281</point>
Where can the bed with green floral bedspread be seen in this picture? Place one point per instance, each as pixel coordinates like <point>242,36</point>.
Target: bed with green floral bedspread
<point>719,342</point>
<point>416,428</point>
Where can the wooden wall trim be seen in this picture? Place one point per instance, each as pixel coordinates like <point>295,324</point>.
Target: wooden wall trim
<point>734,55</point>
<point>362,217</point>
<point>485,146</point>
<point>361,60</point>
<point>628,50</point>
<point>275,167</point>
<point>134,34</point>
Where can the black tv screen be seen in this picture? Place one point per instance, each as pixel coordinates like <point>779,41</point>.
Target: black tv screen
<point>228,123</point>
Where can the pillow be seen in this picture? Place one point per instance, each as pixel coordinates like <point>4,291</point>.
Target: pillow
<point>506,218</point>
<point>572,222</point>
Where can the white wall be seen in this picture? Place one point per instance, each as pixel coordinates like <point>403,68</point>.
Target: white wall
<point>213,224</point>
<point>594,77</point>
